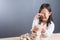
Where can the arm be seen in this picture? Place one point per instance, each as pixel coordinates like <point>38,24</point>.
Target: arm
<point>35,23</point>
<point>49,30</point>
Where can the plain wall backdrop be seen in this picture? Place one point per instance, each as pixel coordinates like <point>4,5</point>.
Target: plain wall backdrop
<point>16,16</point>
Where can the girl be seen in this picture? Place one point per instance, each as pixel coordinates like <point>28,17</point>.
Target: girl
<point>43,20</point>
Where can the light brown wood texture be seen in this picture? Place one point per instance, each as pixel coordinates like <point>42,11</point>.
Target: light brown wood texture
<point>55,36</point>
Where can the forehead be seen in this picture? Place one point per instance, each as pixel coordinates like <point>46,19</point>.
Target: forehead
<point>44,10</point>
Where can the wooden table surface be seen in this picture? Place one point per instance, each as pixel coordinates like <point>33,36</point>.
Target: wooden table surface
<point>55,36</point>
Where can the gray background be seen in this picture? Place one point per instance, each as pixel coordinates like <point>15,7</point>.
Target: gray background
<point>16,16</point>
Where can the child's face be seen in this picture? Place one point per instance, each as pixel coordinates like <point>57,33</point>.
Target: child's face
<point>45,13</point>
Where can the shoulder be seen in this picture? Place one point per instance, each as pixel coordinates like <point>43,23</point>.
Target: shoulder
<point>52,24</point>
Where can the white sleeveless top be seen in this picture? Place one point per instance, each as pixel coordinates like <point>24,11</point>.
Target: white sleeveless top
<point>49,29</point>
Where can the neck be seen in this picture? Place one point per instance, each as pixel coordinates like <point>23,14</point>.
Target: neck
<point>43,23</point>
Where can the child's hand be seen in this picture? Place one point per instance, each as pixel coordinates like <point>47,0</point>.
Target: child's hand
<point>38,27</point>
<point>39,15</point>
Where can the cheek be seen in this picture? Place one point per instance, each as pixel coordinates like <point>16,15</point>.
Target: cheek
<point>47,17</point>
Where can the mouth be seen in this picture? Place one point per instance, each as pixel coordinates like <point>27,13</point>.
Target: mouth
<point>42,18</point>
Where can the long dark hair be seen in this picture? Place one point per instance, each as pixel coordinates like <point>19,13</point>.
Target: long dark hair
<point>47,6</point>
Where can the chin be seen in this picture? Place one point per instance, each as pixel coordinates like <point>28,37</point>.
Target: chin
<point>44,20</point>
